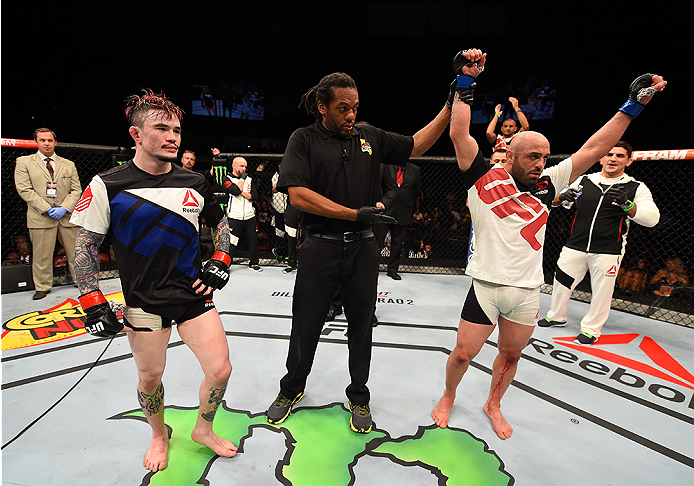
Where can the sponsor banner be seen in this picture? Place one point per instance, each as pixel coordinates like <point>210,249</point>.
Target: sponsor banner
<point>612,360</point>
<point>15,142</point>
<point>382,297</point>
<point>685,154</point>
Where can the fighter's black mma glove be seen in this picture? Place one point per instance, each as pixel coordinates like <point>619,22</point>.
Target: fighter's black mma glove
<point>570,195</point>
<point>465,85</point>
<point>373,214</point>
<point>216,271</point>
<point>639,88</point>
<point>618,195</point>
<point>101,321</point>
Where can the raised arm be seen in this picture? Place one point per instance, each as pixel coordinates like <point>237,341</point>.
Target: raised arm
<point>427,136</point>
<point>522,119</point>
<point>641,91</point>
<point>467,65</point>
<point>491,128</point>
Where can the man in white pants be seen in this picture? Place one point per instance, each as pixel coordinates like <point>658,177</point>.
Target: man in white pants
<point>606,204</point>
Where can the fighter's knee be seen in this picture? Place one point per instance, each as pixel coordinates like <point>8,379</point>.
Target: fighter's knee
<point>509,354</point>
<point>220,375</point>
<point>149,381</point>
<point>461,356</point>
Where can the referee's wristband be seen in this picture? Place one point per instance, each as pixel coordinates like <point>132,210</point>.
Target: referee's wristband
<point>627,208</point>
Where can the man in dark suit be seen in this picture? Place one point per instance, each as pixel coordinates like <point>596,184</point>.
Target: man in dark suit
<point>401,186</point>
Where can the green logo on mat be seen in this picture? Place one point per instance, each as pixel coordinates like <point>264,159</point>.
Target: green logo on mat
<point>322,450</point>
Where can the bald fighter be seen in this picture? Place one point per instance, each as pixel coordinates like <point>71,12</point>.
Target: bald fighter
<point>509,208</point>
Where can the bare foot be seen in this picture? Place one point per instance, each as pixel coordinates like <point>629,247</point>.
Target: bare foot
<point>499,423</point>
<point>219,446</point>
<point>442,411</point>
<point>155,457</point>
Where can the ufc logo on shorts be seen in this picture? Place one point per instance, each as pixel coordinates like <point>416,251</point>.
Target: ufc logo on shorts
<point>497,190</point>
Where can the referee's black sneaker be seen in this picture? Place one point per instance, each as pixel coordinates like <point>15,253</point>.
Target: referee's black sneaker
<point>361,418</point>
<point>547,322</point>
<point>282,408</point>
<point>333,312</point>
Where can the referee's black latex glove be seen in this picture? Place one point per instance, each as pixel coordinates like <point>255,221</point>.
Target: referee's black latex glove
<point>372,214</point>
<point>618,195</point>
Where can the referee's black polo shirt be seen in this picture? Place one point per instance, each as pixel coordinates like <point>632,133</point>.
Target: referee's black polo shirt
<point>344,170</point>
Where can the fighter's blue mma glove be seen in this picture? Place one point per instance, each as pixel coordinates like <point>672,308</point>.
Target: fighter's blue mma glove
<point>639,88</point>
<point>216,271</point>
<point>101,321</point>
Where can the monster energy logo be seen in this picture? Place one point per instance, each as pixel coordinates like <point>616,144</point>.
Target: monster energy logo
<point>220,172</point>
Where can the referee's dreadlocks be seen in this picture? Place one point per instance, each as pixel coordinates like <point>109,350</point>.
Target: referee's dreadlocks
<point>323,92</point>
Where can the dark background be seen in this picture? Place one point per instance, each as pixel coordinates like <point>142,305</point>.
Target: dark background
<point>71,68</point>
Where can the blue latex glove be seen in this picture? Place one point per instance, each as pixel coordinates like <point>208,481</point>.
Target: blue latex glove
<point>56,213</point>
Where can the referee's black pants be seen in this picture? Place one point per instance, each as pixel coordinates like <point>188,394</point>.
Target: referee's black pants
<point>325,265</point>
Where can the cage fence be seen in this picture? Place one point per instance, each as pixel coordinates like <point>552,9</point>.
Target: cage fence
<point>437,241</point>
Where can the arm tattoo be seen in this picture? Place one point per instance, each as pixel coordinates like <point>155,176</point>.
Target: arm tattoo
<point>87,260</point>
<point>222,236</point>
<point>216,396</point>
<point>151,404</point>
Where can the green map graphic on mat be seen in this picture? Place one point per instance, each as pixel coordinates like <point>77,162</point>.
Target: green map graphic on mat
<point>322,450</point>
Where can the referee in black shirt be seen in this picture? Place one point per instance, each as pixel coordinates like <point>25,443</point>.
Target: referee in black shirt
<point>330,171</point>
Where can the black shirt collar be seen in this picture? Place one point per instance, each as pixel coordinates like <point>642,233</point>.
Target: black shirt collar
<point>326,134</point>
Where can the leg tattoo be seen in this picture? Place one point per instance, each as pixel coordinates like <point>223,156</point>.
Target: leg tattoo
<point>151,404</point>
<point>216,396</point>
